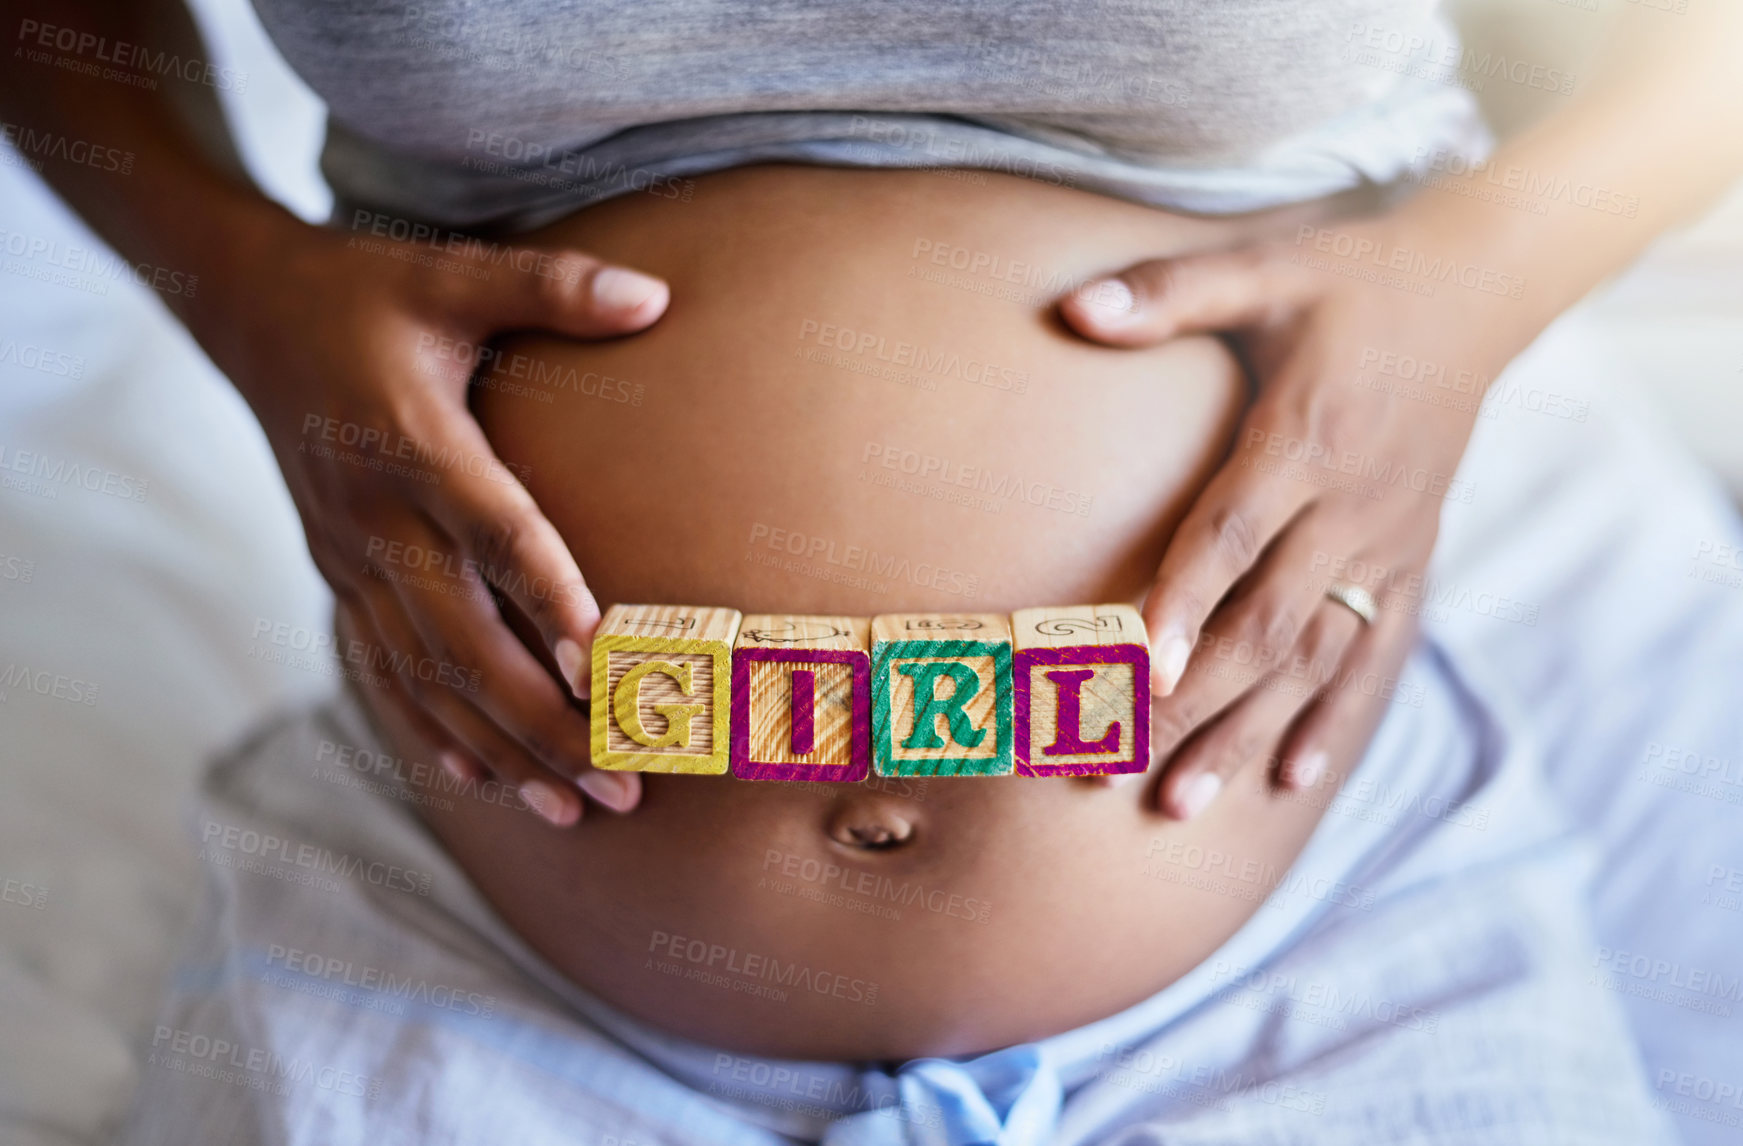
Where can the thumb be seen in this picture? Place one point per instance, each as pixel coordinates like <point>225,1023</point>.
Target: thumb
<point>566,292</point>
<point>1153,301</point>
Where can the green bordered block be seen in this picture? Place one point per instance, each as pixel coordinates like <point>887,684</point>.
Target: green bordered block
<point>941,694</point>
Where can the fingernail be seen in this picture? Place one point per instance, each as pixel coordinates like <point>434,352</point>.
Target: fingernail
<point>544,799</point>
<point>616,288</point>
<point>1308,770</point>
<point>454,766</point>
<point>1113,300</point>
<point>609,788</point>
<point>1197,793</point>
<point>1169,664</point>
<point>570,662</point>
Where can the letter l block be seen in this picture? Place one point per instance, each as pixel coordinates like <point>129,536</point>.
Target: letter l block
<point>1081,679</point>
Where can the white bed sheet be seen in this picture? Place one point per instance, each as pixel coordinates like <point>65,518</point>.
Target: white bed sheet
<point>156,601</point>
<point>1615,541</point>
<point>152,602</point>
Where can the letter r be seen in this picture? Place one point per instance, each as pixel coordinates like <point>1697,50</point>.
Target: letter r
<point>928,705</point>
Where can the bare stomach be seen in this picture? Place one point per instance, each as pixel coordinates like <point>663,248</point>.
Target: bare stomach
<point>860,402</point>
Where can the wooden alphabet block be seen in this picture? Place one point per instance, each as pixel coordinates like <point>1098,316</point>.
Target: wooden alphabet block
<point>1081,679</point>
<point>941,694</point>
<point>801,698</point>
<point>661,685</point>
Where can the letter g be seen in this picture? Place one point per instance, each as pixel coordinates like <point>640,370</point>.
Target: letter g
<point>626,706</point>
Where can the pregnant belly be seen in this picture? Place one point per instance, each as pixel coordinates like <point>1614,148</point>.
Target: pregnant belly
<point>861,402</point>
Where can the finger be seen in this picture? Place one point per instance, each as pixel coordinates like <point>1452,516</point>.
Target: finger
<point>618,791</point>
<point>1254,633</point>
<point>394,708</point>
<point>509,761</point>
<point>1253,728</point>
<point>551,800</point>
<point>491,670</point>
<point>495,522</point>
<point>1343,718</point>
<point>1229,527</point>
<point>560,290</point>
<point>1154,301</point>
<point>516,693</point>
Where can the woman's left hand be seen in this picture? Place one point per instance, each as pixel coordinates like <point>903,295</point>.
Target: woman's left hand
<point>1369,382</point>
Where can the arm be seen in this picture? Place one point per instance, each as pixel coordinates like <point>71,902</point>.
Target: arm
<point>1661,122</point>
<point>318,332</point>
<point>182,205</point>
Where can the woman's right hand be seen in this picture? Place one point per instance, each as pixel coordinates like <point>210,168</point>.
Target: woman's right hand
<point>355,353</point>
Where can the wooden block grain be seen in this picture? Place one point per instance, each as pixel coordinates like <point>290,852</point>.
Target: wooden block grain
<point>661,688</point>
<point>801,698</point>
<point>941,694</point>
<point>1080,679</point>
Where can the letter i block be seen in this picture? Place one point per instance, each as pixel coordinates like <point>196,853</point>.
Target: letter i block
<point>662,677</point>
<point>801,699</point>
<point>1081,678</point>
<point>941,694</point>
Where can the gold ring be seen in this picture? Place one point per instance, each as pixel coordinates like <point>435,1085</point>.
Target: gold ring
<point>1355,598</point>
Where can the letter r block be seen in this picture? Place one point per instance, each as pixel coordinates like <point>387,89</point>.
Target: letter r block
<point>801,698</point>
<point>662,679</point>
<point>941,694</point>
<point>1081,684</point>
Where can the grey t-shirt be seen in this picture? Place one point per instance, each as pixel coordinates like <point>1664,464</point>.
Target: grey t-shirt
<point>509,113</point>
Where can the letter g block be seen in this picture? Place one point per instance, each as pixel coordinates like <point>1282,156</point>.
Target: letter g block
<point>941,694</point>
<point>662,678</point>
<point>1081,679</point>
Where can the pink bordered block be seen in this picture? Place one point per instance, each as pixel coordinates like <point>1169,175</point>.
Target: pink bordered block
<point>1080,681</point>
<point>801,699</point>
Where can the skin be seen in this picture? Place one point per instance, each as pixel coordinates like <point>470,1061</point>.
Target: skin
<point>321,335</point>
<point>1067,905</point>
<point>1660,120</point>
<point>306,325</point>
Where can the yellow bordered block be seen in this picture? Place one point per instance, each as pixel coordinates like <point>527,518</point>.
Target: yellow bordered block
<point>662,687</point>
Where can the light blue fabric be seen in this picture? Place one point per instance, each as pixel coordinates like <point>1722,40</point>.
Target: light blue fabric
<point>1453,996</point>
<point>1415,976</point>
<point>1008,1098</point>
<point>1425,973</point>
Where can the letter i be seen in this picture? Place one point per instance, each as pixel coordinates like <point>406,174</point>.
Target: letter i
<point>804,710</point>
<point>801,698</point>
